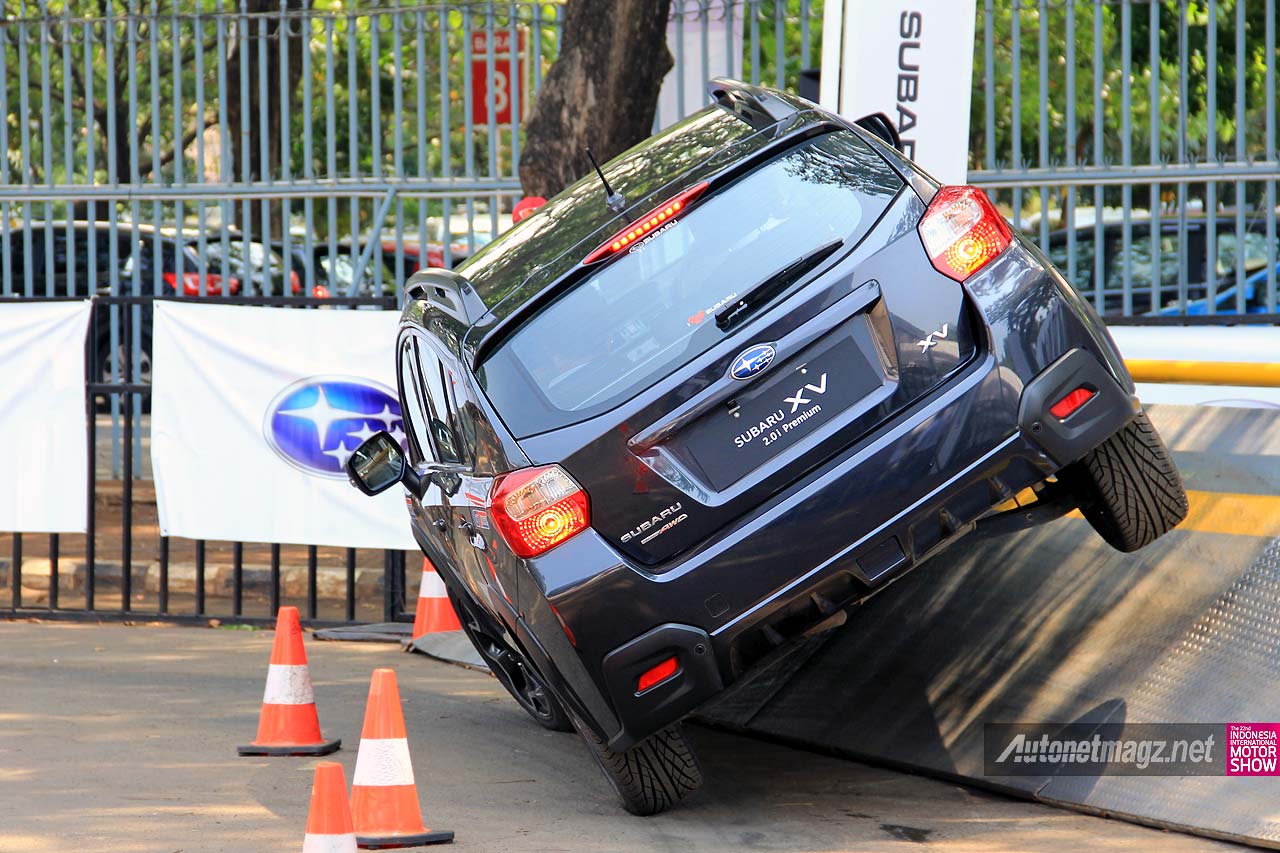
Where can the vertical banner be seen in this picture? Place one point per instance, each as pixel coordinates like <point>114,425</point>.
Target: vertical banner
<point>705,40</point>
<point>911,60</point>
<point>255,412</point>
<point>44,457</point>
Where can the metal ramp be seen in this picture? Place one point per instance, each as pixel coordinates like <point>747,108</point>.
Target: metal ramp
<point>1052,626</point>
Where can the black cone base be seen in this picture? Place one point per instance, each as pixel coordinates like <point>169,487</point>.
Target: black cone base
<point>388,842</point>
<point>294,749</point>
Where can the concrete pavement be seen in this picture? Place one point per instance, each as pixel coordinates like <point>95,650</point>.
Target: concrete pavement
<point>117,738</point>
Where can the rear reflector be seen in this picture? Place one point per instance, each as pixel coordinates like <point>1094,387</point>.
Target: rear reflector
<point>657,674</point>
<point>536,509</point>
<point>962,231</point>
<point>1072,401</point>
<point>642,227</point>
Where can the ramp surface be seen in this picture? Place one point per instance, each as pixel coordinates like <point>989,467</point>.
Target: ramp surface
<point>1052,626</point>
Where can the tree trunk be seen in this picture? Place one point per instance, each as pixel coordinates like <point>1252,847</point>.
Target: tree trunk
<point>601,93</point>
<point>243,117</point>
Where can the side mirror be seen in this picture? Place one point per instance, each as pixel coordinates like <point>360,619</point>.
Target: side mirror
<point>378,464</point>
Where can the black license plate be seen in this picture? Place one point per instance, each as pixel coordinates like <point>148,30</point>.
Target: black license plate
<point>773,414</point>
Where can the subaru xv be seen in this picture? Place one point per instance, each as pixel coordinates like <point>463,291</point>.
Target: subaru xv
<point>704,400</point>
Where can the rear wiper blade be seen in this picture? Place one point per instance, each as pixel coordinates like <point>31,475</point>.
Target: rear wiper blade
<point>763,291</point>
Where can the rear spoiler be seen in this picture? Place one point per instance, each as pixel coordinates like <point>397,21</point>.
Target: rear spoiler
<point>762,108</point>
<point>448,292</point>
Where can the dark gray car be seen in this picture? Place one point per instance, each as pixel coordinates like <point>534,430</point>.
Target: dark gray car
<point>648,450</point>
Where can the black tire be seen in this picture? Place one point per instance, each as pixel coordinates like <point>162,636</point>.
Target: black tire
<point>512,669</point>
<point>1128,487</point>
<point>651,776</point>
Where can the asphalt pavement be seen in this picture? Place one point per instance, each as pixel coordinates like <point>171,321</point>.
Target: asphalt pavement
<point>122,738</point>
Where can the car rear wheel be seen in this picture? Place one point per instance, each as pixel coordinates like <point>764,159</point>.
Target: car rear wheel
<point>651,776</point>
<point>512,669</point>
<point>1128,487</point>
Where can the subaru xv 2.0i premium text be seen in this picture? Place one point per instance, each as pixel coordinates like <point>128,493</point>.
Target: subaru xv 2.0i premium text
<point>669,423</point>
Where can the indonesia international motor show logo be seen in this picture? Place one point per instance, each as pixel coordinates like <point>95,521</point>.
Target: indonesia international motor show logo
<point>1132,749</point>
<point>316,423</point>
<point>1251,749</point>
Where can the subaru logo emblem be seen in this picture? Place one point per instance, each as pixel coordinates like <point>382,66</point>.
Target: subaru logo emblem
<point>752,361</point>
<point>316,423</point>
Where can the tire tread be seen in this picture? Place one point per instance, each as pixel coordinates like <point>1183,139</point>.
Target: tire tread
<point>653,775</point>
<point>1128,487</point>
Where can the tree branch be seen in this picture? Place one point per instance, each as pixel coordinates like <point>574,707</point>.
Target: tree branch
<point>170,152</point>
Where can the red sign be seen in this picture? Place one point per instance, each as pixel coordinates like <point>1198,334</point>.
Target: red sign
<point>507,72</point>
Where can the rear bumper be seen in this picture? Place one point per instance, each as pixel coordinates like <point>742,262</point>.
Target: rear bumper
<point>842,531</point>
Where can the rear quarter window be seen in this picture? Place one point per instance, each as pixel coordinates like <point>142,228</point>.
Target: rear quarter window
<point>649,312</point>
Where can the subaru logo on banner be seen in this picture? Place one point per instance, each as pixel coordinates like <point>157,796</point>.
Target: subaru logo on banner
<point>316,423</point>
<point>752,361</point>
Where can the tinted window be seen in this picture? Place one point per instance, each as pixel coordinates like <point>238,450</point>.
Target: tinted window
<point>1255,252</point>
<point>652,310</point>
<point>1083,279</point>
<point>1141,264</point>
<point>427,385</point>
<point>413,405</point>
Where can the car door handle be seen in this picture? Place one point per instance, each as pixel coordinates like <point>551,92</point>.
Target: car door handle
<point>440,524</point>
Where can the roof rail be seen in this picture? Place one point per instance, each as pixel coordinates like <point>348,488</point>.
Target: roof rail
<point>757,106</point>
<point>447,291</point>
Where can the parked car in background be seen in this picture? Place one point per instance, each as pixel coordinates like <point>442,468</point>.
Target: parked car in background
<point>1155,284</point>
<point>261,269</point>
<point>84,259</point>
<point>1225,301</point>
<point>336,272</point>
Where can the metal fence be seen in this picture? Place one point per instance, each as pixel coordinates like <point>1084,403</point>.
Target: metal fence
<point>213,150</point>
<point>1135,141</point>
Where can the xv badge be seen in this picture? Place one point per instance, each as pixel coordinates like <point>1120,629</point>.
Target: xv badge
<point>800,399</point>
<point>931,339</point>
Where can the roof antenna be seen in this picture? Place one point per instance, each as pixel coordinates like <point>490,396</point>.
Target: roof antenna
<point>617,203</point>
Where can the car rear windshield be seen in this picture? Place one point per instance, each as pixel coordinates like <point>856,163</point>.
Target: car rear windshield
<point>650,312</point>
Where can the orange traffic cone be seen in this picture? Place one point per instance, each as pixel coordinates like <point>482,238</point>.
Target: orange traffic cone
<point>434,613</point>
<point>384,798</point>
<point>289,724</point>
<point>329,828</point>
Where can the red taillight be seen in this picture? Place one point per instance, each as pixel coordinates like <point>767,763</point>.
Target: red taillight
<point>1072,401</point>
<point>651,221</point>
<point>657,674</point>
<point>191,283</point>
<point>320,292</point>
<point>295,283</point>
<point>538,508</point>
<point>962,231</point>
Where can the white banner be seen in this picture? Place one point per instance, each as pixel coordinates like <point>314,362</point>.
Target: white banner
<point>256,410</point>
<point>912,61</point>
<point>43,445</point>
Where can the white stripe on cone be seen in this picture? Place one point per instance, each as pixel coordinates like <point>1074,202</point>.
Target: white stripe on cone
<point>432,586</point>
<point>313,843</point>
<point>382,762</point>
<point>288,685</point>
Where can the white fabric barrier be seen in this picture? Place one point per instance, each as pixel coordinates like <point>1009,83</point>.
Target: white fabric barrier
<point>44,455</point>
<point>256,410</point>
<point>911,60</point>
<point>1202,343</point>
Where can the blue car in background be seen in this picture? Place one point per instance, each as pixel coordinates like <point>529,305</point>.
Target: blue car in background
<point>1172,268</point>
<point>1225,302</point>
